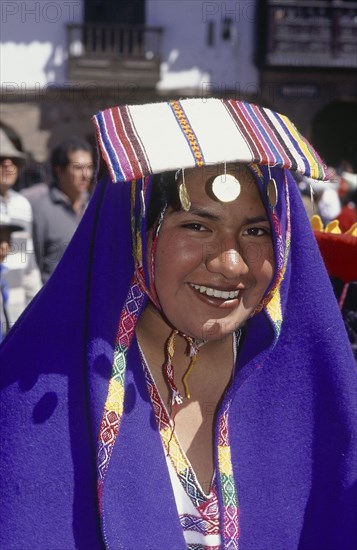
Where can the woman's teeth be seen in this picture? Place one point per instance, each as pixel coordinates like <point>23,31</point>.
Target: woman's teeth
<point>223,294</point>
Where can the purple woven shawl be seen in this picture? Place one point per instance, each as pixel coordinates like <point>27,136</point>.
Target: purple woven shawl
<point>292,421</point>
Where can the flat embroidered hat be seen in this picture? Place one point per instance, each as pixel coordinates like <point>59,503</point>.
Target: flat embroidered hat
<point>139,140</point>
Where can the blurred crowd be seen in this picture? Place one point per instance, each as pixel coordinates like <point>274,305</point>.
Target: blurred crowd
<point>335,199</point>
<point>41,205</point>
<point>334,204</point>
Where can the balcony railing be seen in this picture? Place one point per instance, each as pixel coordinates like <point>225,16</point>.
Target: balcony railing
<point>312,34</point>
<point>113,54</point>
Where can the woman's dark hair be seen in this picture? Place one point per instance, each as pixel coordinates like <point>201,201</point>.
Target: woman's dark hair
<point>164,191</point>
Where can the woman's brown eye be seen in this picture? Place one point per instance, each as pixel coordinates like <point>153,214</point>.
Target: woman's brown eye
<point>257,231</point>
<point>195,226</point>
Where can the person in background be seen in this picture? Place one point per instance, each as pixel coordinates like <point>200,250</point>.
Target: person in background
<point>58,210</point>
<point>348,196</point>
<point>6,229</point>
<point>327,198</point>
<point>23,274</point>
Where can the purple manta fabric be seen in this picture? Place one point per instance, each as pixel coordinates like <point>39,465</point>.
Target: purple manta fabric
<point>292,421</point>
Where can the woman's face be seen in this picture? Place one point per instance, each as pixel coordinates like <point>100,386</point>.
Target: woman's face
<point>5,237</point>
<point>214,263</point>
<point>8,172</point>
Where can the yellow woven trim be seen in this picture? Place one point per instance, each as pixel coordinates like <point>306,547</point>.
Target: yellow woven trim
<point>274,307</point>
<point>173,449</point>
<point>115,397</point>
<point>225,462</point>
<point>138,249</point>
<point>187,130</point>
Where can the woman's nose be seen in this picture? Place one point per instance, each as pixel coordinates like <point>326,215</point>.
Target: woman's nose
<point>228,261</point>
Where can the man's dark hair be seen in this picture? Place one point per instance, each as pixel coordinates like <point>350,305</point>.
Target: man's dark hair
<point>59,155</point>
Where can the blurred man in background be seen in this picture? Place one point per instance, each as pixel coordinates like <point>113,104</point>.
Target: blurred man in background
<point>58,211</point>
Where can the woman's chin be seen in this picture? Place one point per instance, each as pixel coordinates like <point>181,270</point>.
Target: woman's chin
<point>218,329</point>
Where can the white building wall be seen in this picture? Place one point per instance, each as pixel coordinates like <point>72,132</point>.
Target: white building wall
<point>189,62</point>
<point>34,42</point>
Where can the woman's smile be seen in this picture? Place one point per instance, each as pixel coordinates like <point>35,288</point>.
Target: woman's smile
<point>215,292</point>
<point>216,297</point>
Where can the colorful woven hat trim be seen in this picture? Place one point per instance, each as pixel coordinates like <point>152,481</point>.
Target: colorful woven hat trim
<point>139,140</point>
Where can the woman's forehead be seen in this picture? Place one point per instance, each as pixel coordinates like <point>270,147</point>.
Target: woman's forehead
<point>203,199</point>
<point>208,172</point>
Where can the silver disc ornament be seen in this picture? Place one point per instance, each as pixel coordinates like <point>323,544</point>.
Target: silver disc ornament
<point>226,188</point>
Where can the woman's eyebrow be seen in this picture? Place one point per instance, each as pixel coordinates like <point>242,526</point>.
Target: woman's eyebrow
<point>204,213</point>
<point>257,219</point>
<point>208,215</point>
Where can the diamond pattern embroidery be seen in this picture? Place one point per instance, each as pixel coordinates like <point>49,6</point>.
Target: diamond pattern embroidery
<point>113,408</point>
<point>230,501</point>
<point>232,523</point>
<point>223,432</point>
<point>171,444</point>
<point>229,495</point>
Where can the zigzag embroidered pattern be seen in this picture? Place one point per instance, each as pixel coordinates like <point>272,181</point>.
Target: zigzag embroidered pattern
<point>188,131</point>
<point>113,408</point>
<point>199,525</point>
<point>229,493</point>
<point>206,506</point>
<point>172,446</point>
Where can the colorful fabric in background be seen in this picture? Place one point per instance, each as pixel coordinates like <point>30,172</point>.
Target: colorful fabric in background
<point>289,415</point>
<point>339,250</point>
<point>339,253</point>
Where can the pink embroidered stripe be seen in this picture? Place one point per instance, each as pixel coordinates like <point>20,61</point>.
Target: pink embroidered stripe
<point>138,147</point>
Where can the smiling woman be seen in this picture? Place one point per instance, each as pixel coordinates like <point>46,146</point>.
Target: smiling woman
<point>207,284</point>
<point>203,387</point>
